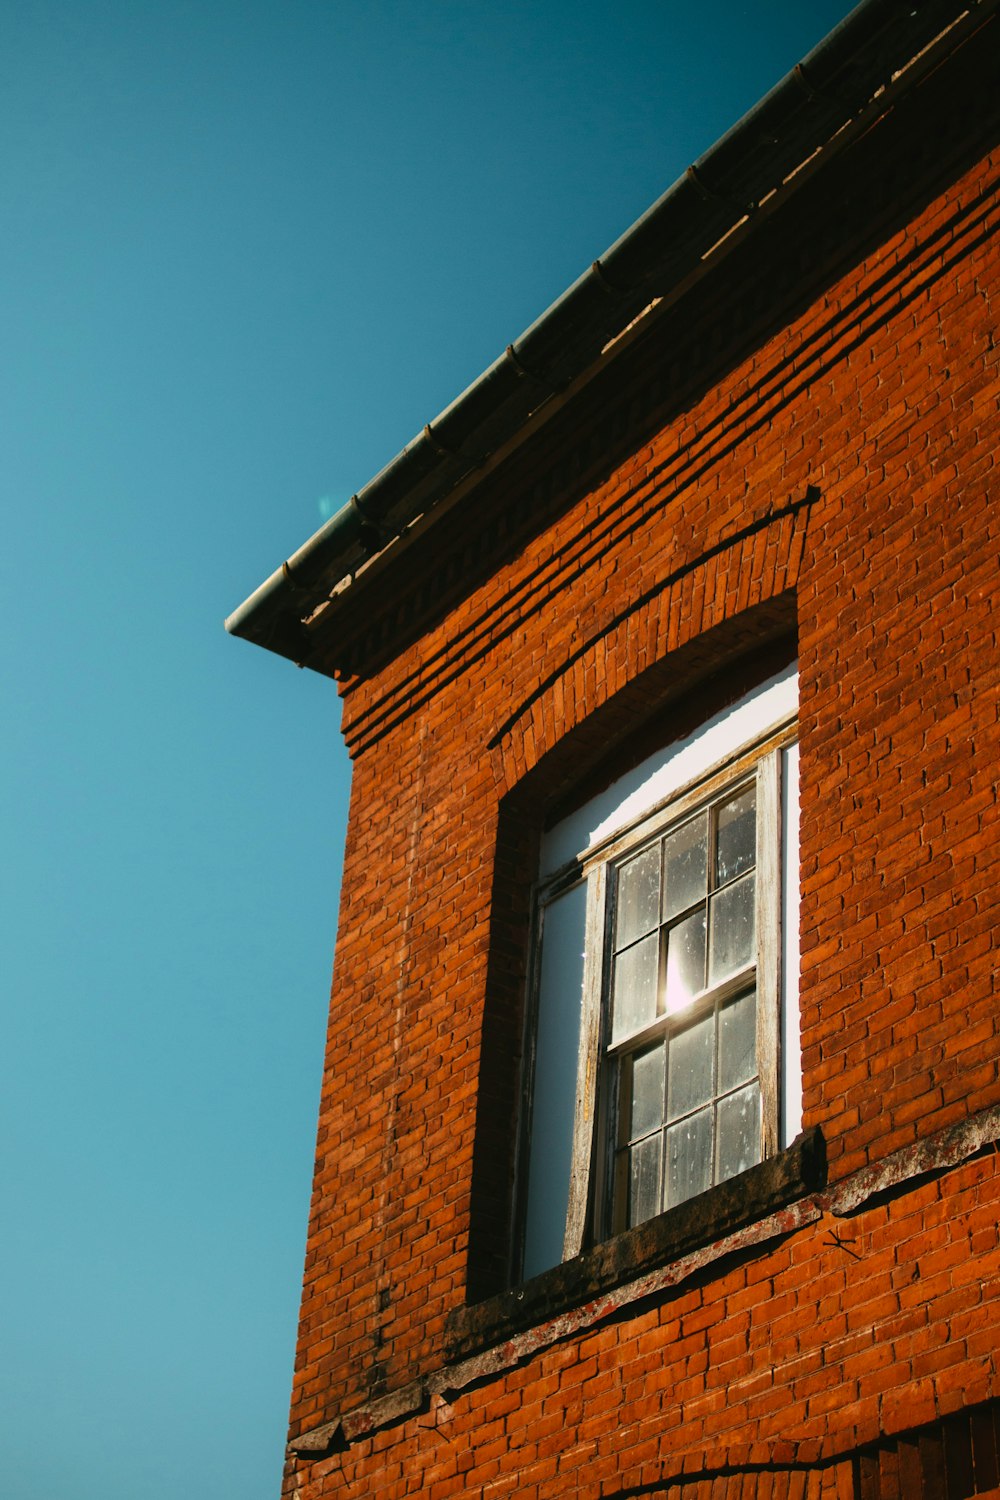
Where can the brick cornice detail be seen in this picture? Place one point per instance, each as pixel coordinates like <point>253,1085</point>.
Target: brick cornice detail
<point>905,269</point>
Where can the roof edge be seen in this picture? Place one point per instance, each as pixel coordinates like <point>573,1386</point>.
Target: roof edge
<point>865,57</point>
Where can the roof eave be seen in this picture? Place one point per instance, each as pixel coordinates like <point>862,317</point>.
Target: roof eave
<point>865,60</point>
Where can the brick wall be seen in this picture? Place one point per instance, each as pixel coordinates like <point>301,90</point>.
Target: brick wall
<point>814,467</point>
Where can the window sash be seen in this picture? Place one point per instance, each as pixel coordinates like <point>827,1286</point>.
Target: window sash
<point>710,1080</point>
<point>590,1212</point>
<point>762,764</point>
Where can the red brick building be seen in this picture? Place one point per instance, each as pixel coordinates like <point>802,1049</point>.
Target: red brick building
<point>658,1147</point>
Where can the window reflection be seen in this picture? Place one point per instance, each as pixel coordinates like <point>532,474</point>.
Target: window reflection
<point>684,934</point>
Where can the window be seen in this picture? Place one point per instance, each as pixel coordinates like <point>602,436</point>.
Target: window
<point>692,1091</point>
<point>663,1049</point>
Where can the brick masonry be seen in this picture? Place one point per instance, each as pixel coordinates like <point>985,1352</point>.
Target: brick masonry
<point>805,459</point>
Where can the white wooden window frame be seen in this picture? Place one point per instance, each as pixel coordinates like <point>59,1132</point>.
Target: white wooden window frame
<point>590,1212</point>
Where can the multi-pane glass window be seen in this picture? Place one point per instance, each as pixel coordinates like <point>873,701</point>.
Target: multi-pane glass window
<point>684,1009</point>
<point>661,1048</point>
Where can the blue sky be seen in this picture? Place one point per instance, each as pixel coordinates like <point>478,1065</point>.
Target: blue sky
<point>249,249</point>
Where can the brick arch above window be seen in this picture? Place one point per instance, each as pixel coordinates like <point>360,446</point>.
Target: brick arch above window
<point>609,695</point>
<point>730,600</point>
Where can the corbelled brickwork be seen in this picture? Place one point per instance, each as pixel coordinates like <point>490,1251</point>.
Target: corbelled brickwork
<point>801,459</point>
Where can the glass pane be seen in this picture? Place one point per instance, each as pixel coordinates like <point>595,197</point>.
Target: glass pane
<point>685,865</point>
<point>732,938</point>
<point>635,986</point>
<point>737,1041</point>
<point>692,1053</point>
<point>647,1091</point>
<point>557,1045</point>
<point>638,897</point>
<point>685,960</point>
<point>739,1132</point>
<point>644,1180</point>
<point>736,836</point>
<point>689,1157</point>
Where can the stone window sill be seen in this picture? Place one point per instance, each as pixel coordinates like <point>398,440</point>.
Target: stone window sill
<point>793,1173</point>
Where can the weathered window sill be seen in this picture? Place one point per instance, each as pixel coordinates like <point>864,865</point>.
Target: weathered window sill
<point>792,1174</point>
<point>785,1196</point>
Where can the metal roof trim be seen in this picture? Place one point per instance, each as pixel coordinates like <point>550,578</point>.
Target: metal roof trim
<point>834,83</point>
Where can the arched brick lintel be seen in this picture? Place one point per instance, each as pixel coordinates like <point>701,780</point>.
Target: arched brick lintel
<point>726,603</point>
